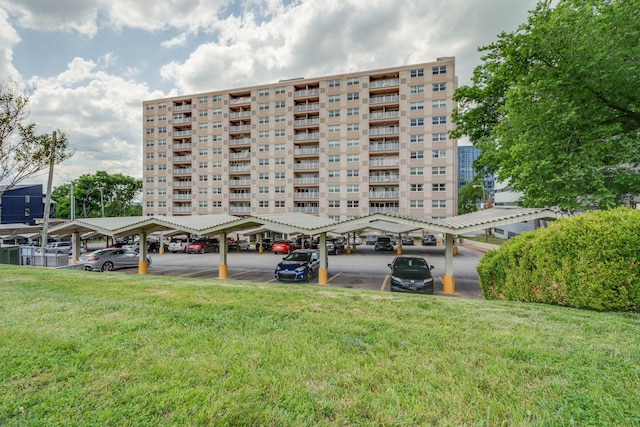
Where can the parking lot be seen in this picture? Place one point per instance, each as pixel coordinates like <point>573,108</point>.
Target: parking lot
<point>362,269</point>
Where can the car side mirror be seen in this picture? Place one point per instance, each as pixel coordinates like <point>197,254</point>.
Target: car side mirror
<point>431,267</point>
<point>389,265</point>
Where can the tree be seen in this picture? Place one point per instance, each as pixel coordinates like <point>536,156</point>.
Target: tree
<point>470,195</point>
<point>23,151</point>
<point>554,106</point>
<point>119,194</point>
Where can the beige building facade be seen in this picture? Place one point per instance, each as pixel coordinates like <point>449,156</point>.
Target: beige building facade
<point>339,146</point>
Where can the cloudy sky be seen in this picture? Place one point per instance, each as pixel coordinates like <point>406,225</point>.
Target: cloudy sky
<point>93,62</point>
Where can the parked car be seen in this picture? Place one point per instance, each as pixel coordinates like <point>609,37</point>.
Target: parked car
<point>383,243</point>
<point>429,240</point>
<point>201,246</point>
<point>371,240</point>
<point>266,244</point>
<point>154,246</point>
<point>282,247</point>
<point>178,245</point>
<point>60,248</point>
<point>408,241</point>
<point>335,246</point>
<point>110,259</point>
<point>299,265</point>
<point>239,245</point>
<point>411,274</point>
<point>355,241</point>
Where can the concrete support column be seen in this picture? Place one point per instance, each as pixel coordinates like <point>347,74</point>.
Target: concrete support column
<point>223,271</point>
<point>143,265</point>
<point>323,271</point>
<point>448,285</point>
<point>75,247</point>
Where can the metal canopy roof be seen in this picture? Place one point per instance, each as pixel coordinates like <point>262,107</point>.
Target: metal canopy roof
<point>290,223</point>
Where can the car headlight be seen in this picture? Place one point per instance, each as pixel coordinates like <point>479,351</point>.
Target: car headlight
<point>396,279</point>
<point>427,281</point>
<point>301,268</point>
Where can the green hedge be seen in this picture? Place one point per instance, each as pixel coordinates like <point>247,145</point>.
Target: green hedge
<point>587,261</point>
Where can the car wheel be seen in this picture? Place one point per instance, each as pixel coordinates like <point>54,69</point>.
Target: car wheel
<point>107,266</point>
<point>309,275</point>
<point>148,262</point>
<point>202,250</point>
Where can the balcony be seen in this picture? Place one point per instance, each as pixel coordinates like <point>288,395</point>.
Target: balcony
<point>384,194</point>
<point>385,99</point>
<point>384,115</point>
<point>183,184</point>
<point>241,100</point>
<point>182,121</point>
<point>239,196</point>
<point>306,166</point>
<point>182,209</point>
<point>383,209</point>
<point>307,122</point>
<point>182,171</point>
<point>384,83</point>
<point>384,130</point>
<point>182,196</point>
<point>306,209</point>
<point>306,92</point>
<point>240,128</point>
<point>179,147</point>
<point>183,107</point>
<point>240,168</point>
<point>384,178</point>
<point>301,180</point>
<point>307,107</point>
<point>306,136</point>
<point>307,151</point>
<point>240,141</point>
<point>385,146</point>
<point>240,182</point>
<point>183,133</point>
<point>306,195</point>
<point>239,114</point>
<point>384,162</point>
<point>240,155</point>
<point>182,159</point>
<point>240,209</point>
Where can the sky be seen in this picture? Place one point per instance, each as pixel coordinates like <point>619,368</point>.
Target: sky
<point>92,63</point>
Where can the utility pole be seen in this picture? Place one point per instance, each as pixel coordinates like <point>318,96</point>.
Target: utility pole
<point>47,203</point>
<point>73,203</point>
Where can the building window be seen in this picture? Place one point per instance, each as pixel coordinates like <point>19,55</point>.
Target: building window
<point>280,175</point>
<point>418,72</point>
<point>216,111</point>
<point>416,187</point>
<point>352,96</point>
<point>334,98</point>
<point>417,154</point>
<point>333,143</point>
<point>417,122</point>
<point>162,167</point>
<point>216,125</point>
<point>263,175</point>
<point>439,170</point>
<point>203,126</point>
<point>442,69</point>
<point>203,190</point>
<point>216,150</point>
<point>416,203</point>
<point>280,161</point>
<point>279,204</point>
<point>353,127</point>
<point>334,203</point>
<point>333,189</point>
<point>216,190</point>
<point>150,107</point>
<point>334,83</point>
<point>353,81</point>
<point>333,128</point>
<point>149,143</point>
<point>150,155</point>
<point>353,188</point>
<point>279,189</point>
<point>353,111</point>
<point>150,131</point>
<point>419,137</point>
<point>203,100</point>
<point>279,119</point>
<point>416,89</point>
<point>439,154</point>
<point>203,138</point>
<point>263,162</point>
<point>334,159</point>
<point>353,203</point>
<point>416,171</point>
<point>216,164</point>
<point>202,165</point>
<point>162,142</point>
<point>353,142</point>
<point>279,104</point>
<point>334,113</point>
<point>438,203</point>
<point>263,190</point>
<point>439,87</point>
<point>438,187</point>
<point>353,172</point>
<point>263,92</point>
<point>263,203</point>
<point>27,212</point>
<point>333,174</point>
<point>439,120</point>
<point>161,179</point>
<point>417,105</point>
<point>263,106</point>
<point>216,177</point>
<point>263,148</point>
<point>263,134</point>
<point>216,98</point>
<point>203,178</point>
<point>150,119</point>
<point>215,138</point>
<point>203,204</point>
<point>438,137</point>
<point>263,120</point>
<point>279,90</point>
<point>353,157</point>
<point>279,147</point>
<point>203,113</point>
<point>439,103</point>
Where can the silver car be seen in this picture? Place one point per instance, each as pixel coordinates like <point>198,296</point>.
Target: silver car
<point>110,259</point>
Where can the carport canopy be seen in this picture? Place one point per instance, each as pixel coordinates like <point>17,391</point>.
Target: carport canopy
<point>290,223</point>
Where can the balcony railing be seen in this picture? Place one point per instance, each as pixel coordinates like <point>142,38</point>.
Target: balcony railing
<point>385,130</point>
<point>182,171</point>
<point>239,196</point>
<point>307,107</point>
<point>182,196</point>
<point>182,121</point>
<point>307,195</point>
<point>187,146</point>
<point>306,92</point>
<point>240,209</point>
<point>307,209</point>
<point>306,151</point>
<point>385,146</point>
<point>307,122</point>
<point>240,128</point>
<point>184,107</point>
<point>384,83</point>
<point>307,180</point>
<point>384,99</point>
<point>183,158</point>
<point>384,194</point>
<point>183,183</point>
<point>240,168</point>
<point>384,115</point>
<point>384,178</point>
<point>182,209</point>
<point>306,136</point>
<point>306,165</point>
<point>240,155</point>
<point>387,161</point>
<point>240,141</point>
<point>183,133</point>
<point>238,114</point>
<point>240,182</point>
<point>242,100</point>
<point>378,209</point>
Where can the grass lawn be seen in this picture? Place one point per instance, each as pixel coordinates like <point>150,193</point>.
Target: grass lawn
<point>119,350</point>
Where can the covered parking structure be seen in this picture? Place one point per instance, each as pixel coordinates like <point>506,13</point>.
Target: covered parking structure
<point>298,223</point>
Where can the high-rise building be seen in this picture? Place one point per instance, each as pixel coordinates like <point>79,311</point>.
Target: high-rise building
<point>339,146</point>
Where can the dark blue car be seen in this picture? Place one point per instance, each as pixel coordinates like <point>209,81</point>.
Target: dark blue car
<point>299,265</point>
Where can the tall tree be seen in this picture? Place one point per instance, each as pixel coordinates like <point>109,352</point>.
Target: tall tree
<point>23,151</point>
<point>118,195</point>
<point>554,105</point>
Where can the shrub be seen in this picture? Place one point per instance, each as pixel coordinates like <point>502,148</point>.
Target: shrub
<point>586,261</point>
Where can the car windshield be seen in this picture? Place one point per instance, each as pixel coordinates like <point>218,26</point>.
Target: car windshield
<point>411,264</point>
<point>298,256</point>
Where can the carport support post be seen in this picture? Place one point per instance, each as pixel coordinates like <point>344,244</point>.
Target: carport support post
<point>142,263</point>
<point>323,271</point>
<point>75,247</point>
<point>223,271</point>
<point>399,250</point>
<point>161,247</point>
<point>448,285</point>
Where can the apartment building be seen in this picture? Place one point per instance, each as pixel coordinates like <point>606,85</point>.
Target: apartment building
<point>338,146</point>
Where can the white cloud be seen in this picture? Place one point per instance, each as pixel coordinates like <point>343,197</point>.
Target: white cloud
<point>8,38</point>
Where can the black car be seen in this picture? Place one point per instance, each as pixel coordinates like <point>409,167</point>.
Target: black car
<point>411,274</point>
<point>428,240</point>
<point>335,246</point>
<point>383,244</point>
<point>299,265</point>
<point>407,241</point>
<point>266,245</point>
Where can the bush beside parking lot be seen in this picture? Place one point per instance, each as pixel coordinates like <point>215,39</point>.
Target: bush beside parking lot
<point>587,261</point>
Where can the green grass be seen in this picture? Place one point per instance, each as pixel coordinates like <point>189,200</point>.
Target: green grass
<point>120,350</point>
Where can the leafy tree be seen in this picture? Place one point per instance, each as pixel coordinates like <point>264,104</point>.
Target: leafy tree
<point>554,105</point>
<point>23,151</point>
<point>470,195</point>
<point>119,194</point>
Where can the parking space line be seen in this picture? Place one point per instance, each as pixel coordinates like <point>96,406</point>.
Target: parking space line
<point>334,276</point>
<point>243,272</point>
<point>384,283</point>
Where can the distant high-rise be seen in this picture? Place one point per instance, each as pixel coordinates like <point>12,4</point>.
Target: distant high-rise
<point>339,146</point>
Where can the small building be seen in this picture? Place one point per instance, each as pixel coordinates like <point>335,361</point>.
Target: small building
<point>22,204</point>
